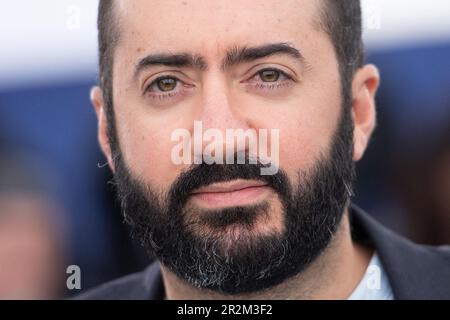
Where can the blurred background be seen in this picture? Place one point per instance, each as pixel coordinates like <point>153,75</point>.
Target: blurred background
<point>56,208</point>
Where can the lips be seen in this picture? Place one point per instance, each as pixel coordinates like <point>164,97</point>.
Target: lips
<point>229,186</point>
<point>230,193</point>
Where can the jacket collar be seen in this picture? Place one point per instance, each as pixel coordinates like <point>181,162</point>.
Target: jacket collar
<point>414,271</point>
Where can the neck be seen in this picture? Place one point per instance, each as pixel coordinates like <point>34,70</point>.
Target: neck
<point>333,275</point>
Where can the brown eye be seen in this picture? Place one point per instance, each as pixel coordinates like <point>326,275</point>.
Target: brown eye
<point>269,75</point>
<point>166,84</point>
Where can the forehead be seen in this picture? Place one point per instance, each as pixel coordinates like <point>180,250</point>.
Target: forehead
<point>212,26</point>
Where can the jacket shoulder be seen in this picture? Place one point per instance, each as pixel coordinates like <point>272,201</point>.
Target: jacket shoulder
<point>137,286</point>
<point>128,287</point>
<point>442,252</point>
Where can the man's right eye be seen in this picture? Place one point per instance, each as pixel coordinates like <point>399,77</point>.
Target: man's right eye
<point>166,88</point>
<point>163,84</point>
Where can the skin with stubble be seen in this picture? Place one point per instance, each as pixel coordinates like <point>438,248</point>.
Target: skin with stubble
<point>224,231</point>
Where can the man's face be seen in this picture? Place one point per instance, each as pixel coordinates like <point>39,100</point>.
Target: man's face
<point>305,110</point>
<point>186,215</point>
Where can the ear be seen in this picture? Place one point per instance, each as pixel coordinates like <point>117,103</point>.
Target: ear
<point>364,87</point>
<point>99,106</point>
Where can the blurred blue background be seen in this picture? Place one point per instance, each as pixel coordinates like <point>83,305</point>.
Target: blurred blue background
<point>48,129</point>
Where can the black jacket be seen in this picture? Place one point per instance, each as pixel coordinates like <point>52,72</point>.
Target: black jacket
<point>414,271</point>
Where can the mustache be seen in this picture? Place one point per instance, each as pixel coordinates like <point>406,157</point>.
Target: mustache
<point>203,174</point>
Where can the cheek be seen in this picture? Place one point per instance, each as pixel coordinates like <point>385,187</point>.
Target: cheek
<point>309,130</point>
<point>306,124</point>
<point>146,147</point>
<point>301,144</point>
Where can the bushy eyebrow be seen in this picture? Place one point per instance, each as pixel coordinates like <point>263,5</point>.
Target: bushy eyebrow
<point>171,60</point>
<point>238,55</point>
<point>233,56</point>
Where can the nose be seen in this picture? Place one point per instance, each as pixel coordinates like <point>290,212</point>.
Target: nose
<point>221,115</point>
<point>219,107</point>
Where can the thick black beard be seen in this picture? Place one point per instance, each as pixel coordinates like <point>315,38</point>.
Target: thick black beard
<point>196,246</point>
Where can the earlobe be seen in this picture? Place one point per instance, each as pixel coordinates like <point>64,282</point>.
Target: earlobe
<point>97,101</point>
<point>364,88</point>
